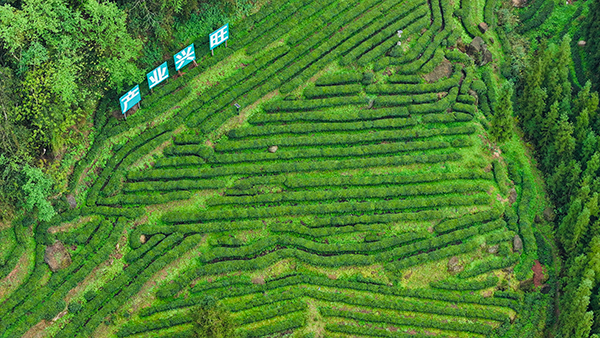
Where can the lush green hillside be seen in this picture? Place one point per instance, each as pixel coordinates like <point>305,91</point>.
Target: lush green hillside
<point>371,185</point>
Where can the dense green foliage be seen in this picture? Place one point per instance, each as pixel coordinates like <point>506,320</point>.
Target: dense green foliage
<point>314,210</point>
<point>592,35</point>
<point>58,58</point>
<point>564,128</point>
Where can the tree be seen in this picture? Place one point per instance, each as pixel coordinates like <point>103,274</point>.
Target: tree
<point>564,181</point>
<point>501,129</point>
<point>575,320</point>
<point>564,141</point>
<point>589,146</point>
<point>212,321</point>
<point>586,100</point>
<point>548,126</point>
<point>65,56</point>
<point>592,32</point>
<point>37,189</point>
<point>565,229</point>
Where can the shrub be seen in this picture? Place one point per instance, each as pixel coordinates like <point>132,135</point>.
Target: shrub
<point>74,307</point>
<point>458,284</point>
<point>89,295</point>
<point>329,91</point>
<point>339,79</point>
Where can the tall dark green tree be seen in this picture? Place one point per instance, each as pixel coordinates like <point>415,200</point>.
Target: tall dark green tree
<point>502,121</point>
<point>564,142</point>
<point>592,48</point>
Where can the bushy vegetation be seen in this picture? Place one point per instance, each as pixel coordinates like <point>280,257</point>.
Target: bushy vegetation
<point>370,171</point>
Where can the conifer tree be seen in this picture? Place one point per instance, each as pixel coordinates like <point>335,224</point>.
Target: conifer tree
<point>575,319</point>
<point>549,126</point>
<point>536,107</point>
<point>592,48</point>
<point>563,182</point>
<point>589,146</point>
<point>586,99</point>
<point>565,229</point>
<point>582,127</point>
<point>501,129</point>
<point>564,60</point>
<point>564,142</point>
<point>533,94</point>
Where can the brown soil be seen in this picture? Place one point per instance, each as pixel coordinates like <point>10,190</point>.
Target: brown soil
<point>444,69</point>
<point>258,280</point>
<point>70,225</point>
<point>57,256</point>
<point>13,277</point>
<point>538,274</point>
<point>37,331</point>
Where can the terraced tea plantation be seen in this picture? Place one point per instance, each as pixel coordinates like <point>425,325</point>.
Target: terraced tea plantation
<point>354,194</point>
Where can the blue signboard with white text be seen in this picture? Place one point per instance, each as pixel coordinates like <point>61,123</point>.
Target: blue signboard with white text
<point>184,57</point>
<point>158,75</point>
<point>219,36</point>
<point>130,99</point>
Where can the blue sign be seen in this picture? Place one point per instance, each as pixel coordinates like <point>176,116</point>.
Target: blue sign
<point>158,75</point>
<point>184,57</point>
<point>219,36</point>
<point>130,99</point>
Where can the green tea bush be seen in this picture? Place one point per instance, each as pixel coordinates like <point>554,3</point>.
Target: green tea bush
<point>488,265</point>
<point>174,185</point>
<point>464,221</point>
<point>146,199</point>
<point>276,106</point>
<point>330,91</point>
<point>397,320</point>
<point>317,116</point>
<point>320,127</point>
<point>386,38</point>
<point>323,153</point>
<point>458,284</point>
<point>339,79</point>
<point>405,79</point>
<point>352,193</point>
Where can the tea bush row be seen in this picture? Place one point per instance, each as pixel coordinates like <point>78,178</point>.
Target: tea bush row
<point>381,42</point>
<point>304,105</point>
<point>330,208</point>
<point>136,275</point>
<point>289,17</point>
<point>335,44</point>
<point>402,100</point>
<point>407,321</point>
<point>316,181</point>
<point>352,193</point>
<point>309,128</point>
<point>343,139</point>
<point>329,91</point>
<point>464,221</point>
<point>439,86</point>
<point>174,185</point>
<point>146,199</point>
<point>324,153</point>
<point>324,232</point>
<point>488,265</point>
<point>339,79</point>
<point>457,284</point>
<point>291,322</point>
<point>410,305</point>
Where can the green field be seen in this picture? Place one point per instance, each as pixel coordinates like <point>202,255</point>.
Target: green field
<point>383,177</point>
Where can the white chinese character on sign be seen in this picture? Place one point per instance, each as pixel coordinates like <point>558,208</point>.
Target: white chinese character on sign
<point>218,37</point>
<point>158,75</point>
<point>185,55</point>
<point>130,96</point>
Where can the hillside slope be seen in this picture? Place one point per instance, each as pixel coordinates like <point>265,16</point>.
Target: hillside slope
<point>354,194</point>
